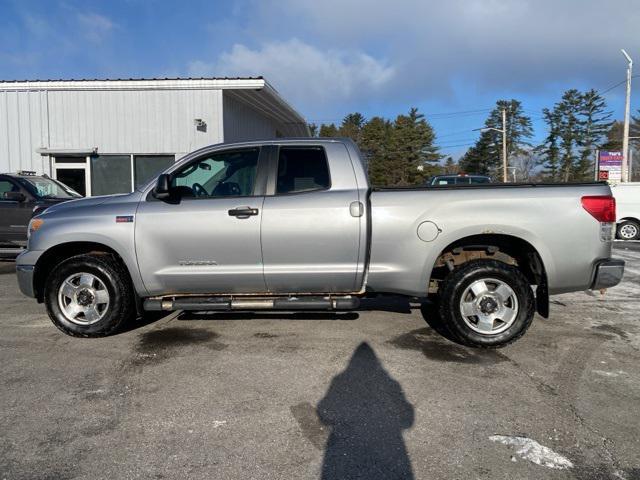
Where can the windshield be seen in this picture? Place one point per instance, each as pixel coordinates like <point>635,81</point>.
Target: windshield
<point>49,188</point>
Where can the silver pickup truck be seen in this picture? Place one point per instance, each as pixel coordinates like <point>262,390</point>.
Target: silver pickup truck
<point>293,225</point>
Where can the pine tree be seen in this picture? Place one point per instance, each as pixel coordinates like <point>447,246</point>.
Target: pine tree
<point>577,125</point>
<point>595,125</point>
<point>485,157</point>
<point>374,142</point>
<point>328,130</point>
<point>480,159</point>
<point>351,126</point>
<point>450,166</point>
<point>413,155</point>
<point>313,129</point>
<point>549,151</point>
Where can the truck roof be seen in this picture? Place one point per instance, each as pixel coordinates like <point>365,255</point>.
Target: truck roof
<point>22,174</point>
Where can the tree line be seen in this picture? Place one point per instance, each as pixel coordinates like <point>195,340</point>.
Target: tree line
<point>404,151</point>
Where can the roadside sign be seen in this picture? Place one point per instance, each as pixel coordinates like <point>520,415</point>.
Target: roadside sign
<point>610,166</point>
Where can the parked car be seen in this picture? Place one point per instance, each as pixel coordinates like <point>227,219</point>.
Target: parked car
<point>293,225</point>
<point>23,195</point>
<point>627,197</point>
<point>458,179</point>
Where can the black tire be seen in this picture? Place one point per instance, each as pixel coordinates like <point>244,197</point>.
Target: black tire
<point>430,310</point>
<point>629,226</point>
<point>112,274</point>
<point>454,286</point>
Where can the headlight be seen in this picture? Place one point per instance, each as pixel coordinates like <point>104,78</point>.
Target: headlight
<point>34,225</point>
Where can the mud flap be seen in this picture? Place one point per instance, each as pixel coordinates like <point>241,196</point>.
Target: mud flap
<point>542,300</point>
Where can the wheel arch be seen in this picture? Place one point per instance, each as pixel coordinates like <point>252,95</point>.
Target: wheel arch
<point>58,253</point>
<point>506,248</point>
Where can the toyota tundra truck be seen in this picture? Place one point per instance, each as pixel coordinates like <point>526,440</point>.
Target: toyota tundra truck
<point>292,224</point>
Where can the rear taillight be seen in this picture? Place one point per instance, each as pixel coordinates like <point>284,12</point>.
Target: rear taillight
<point>601,207</point>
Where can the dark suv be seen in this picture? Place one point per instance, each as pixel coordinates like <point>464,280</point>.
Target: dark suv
<point>458,179</point>
<point>23,195</point>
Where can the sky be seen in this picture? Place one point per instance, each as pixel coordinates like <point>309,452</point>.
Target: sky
<point>452,59</point>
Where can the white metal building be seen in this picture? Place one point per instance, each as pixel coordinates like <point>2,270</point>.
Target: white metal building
<point>109,136</point>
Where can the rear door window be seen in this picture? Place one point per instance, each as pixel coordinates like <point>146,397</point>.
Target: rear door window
<point>302,169</point>
<point>7,186</point>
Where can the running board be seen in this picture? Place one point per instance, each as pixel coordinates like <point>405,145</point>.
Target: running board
<point>11,251</point>
<point>250,303</point>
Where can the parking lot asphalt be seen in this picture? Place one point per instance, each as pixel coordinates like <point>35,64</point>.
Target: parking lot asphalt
<point>369,394</point>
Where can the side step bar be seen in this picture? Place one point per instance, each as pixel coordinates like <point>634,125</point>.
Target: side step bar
<point>249,303</point>
<point>11,251</point>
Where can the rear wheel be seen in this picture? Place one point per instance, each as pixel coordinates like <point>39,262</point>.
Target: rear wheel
<point>89,296</point>
<point>628,230</point>
<point>486,303</point>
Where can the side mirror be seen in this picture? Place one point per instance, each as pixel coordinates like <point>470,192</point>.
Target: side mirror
<point>14,196</point>
<point>162,189</point>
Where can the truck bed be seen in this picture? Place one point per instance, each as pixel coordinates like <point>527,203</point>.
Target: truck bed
<point>550,217</point>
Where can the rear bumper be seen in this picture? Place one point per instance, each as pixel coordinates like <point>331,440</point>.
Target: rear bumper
<point>608,273</point>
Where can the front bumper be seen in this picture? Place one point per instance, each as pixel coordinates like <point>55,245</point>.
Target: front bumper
<point>25,267</point>
<point>25,279</point>
<point>608,273</point>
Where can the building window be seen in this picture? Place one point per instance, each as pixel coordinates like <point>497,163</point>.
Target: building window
<point>147,167</point>
<point>110,174</point>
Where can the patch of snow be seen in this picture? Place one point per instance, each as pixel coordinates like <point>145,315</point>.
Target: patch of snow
<point>531,450</point>
<point>610,374</point>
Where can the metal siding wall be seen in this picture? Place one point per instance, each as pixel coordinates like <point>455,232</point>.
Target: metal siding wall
<point>241,122</point>
<point>22,130</point>
<point>131,121</point>
<point>134,121</point>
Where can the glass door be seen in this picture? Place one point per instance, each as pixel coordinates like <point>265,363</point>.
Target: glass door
<point>73,172</point>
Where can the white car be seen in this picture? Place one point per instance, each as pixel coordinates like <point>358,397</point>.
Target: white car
<point>627,197</point>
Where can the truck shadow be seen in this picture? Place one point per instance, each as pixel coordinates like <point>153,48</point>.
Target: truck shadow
<point>383,303</point>
<point>268,316</point>
<point>7,266</point>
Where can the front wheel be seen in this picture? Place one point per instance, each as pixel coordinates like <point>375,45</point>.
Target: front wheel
<point>486,303</point>
<point>628,230</point>
<point>89,296</point>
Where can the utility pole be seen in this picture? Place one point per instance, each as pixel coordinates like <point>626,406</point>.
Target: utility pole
<point>627,108</point>
<point>503,131</point>
<point>504,145</point>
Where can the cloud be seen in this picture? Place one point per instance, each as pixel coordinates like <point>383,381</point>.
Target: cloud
<point>487,45</point>
<point>95,27</point>
<point>303,73</point>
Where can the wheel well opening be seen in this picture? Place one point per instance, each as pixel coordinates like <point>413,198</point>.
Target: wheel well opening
<point>52,257</point>
<point>504,248</point>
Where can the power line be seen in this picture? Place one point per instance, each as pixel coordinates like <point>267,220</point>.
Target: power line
<point>453,134</point>
<point>458,145</point>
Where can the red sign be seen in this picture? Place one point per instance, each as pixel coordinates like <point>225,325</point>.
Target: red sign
<point>603,175</point>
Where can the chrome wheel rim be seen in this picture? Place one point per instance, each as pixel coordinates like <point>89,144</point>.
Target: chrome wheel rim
<point>628,231</point>
<point>489,306</point>
<point>83,298</point>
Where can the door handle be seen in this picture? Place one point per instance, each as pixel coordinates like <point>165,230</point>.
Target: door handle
<point>243,212</point>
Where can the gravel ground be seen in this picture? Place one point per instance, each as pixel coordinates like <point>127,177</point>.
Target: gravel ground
<point>370,394</point>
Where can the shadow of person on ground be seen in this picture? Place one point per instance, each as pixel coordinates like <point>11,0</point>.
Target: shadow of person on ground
<point>366,411</point>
